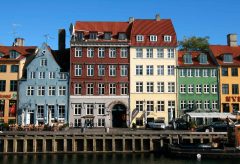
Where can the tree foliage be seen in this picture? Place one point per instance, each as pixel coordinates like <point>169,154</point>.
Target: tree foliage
<point>194,44</point>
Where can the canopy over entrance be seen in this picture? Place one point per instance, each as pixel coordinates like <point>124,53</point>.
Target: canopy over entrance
<point>211,115</point>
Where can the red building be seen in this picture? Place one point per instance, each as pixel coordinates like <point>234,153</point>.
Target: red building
<point>99,74</point>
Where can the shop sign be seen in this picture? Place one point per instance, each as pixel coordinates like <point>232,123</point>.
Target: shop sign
<point>5,96</point>
<point>232,98</point>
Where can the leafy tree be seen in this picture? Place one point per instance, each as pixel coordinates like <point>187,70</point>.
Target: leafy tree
<point>194,44</point>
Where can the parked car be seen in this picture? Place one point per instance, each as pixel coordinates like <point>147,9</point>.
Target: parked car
<point>156,124</point>
<point>220,126</point>
<point>179,124</point>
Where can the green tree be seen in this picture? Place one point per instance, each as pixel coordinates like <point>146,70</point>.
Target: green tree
<point>194,44</point>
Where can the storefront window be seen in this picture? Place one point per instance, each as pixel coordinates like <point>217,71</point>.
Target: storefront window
<point>12,108</point>
<point>2,104</point>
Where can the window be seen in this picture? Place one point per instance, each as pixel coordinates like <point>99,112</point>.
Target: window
<point>101,52</point>
<point>40,111</point>
<point>182,88</point>
<point>171,87</point>
<point>205,73</point>
<point>182,72</point>
<point>235,89</point>
<point>41,75</point>
<point>63,76</point>
<point>190,104</point>
<point>149,87</point>
<point>43,62</point>
<point>153,38</point>
<point>112,88</point>
<point>101,70</point>
<point>234,71</point>
<point>101,109</point>
<point>107,36</point>
<point>124,52</point>
<point>214,88</point>
<point>140,38</point>
<point>90,88</point>
<point>203,59</point>
<point>90,70</point>
<point>224,71</point>
<point>93,35</point>
<point>225,89</point>
<point>51,90</point>
<point>167,38</point>
<point>213,72</point>
<point>189,72</point>
<point>41,90</point>
<point>3,68</point>
<point>160,53</point>
<point>183,104</point>
<point>139,53</point>
<point>150,106</point>
<point>149,70</point>
<point>79,36</point>
<point>13,85</point>
<point>122,36</point>
<point>198,89</point>
<point>139,87</point>
<point>30,90</point>
<point>160,70</point>
<point>101,122</point>
<point>160,106</point>
<point>227,58</point>
<point>51,109</point>
<point>197,72</point>
<point>206,88</point>
<point>198,104</point>
<point>101,88</point>
<point>160,87</point>
<point>78,52</point>
<point>61,111</point>
<point>149,53</point>
<point>124,70</point>
<point>214,104</point>
<point>112,53</point>
<point>139,70</point>
<point>90,108</point>
<point>62,90</point>
<point>32,75</point>
<point>124,88</point>
<point>51,75</point>
<point>14,68</point>
<point>206,104</point>
<point>190,88</point>
<point>187,58</point>
<point>77,122</point>
<point>171,109</point>
<point>14,54</point>
<point>139,105</point>
<point>112,70</point>
<point>171,70</point>
<point>77,89</point>
<point>77,109</point>
<point>171,54</point>
<point>90,52</point>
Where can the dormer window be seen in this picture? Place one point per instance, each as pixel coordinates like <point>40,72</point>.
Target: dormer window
<point>79,36</point>
<point>140,38</point>
<point>227,58</point>
<point>1,55</point>
<point>167,38</point>
<point>93,35</point>
<point>153,38</point>
<point>187,59</point>
<point>203,59</point>
<point>14,54</point>
<point>122,36</point>
<point>107,36</point>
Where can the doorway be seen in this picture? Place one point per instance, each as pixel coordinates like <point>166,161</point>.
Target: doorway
<point>119,116</point>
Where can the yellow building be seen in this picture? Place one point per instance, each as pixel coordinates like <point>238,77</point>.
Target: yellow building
<point>152,71</point>
<point>228,58</point>
<point>12,60</point>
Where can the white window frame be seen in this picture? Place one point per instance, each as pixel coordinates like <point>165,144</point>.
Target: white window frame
<point>124,52</point>
<point>43,62</point>
<point>77,70</point>
<point>62,90</point>
<point>139,70</point>
<point>160,87</point>
<point>150,87</point>
<point>149,53</point>
<point>41,91</point>
<point>171,70</point>
<point>112,52</point>
<point>153,38</point>
<point>206,89</point>
<point>139,38</point>
<point>171,53</point>
<point>139,105</point>
<point>90,52</point>
<point>101,70</point>
<point>101,109</point>
<point>42,75</point>
<point>124,70</point>
<point>101,52</point>
<point>112,70</point>
<point>182,88</point>
<point>149,70</point>
<point>160,106</point>
<point>77,109</point>
<point>52,75</point>
<point>51,90</point>
<point>124,88</point>
<point>171,87</point>
<point>78,52</point>
<point>30,91</point>
<point>198,89</point>
<point>101,88</point>
<point>139,87</point>
<point>214,88</point>
<point>90,88</point>
<point>112,88</point>
<point>190,88</point>
<point>90,70</point>
<point>160,53</point>
<point>77,89</point>
<point>197,73</point>
<point>160,70</point>
<point>139,53</point>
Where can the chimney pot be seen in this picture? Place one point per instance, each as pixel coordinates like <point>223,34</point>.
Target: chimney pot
<point>131,19</point>
<point>61,39</point>
<point>232,40</point>
<point>18,42</point>
<point>158,17</point>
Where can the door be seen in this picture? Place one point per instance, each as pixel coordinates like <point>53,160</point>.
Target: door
<point>31,118</point>
<point>119,116</point>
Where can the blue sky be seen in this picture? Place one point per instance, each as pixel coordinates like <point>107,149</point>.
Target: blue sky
<point>33,19</point>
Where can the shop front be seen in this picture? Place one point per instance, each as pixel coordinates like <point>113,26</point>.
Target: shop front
<point>8,105</point>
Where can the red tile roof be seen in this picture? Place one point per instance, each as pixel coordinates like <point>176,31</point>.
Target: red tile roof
<point>22,50</point>
<point>219,50</point>
<point>153,27</point>
<point>195,59</point>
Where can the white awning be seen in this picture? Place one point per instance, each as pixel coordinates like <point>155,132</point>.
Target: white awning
<point>211,115</point>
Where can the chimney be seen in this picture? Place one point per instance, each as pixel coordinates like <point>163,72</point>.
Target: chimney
<point>131,19</point>
<point>61,39</point>
<point>232,40</point>
<point>18,42</point>
<point>158,17</point>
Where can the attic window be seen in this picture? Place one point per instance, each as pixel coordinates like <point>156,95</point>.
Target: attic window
<point>1,55</point>
<point>227,58</point>
<point>107,36</point>
<point>167,38</point>
<point>14,54</point>
<point>93,35</point>
<point>79,36</point>
<point>203,59</point>
<point>187,59</point>
<point>140,38</point>
<point>153,38</point>
<point>122,36</point>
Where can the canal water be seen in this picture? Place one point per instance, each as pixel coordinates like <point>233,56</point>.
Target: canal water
<point>141,158</point>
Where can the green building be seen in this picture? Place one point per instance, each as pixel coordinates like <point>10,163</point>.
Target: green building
<point>197,84</point>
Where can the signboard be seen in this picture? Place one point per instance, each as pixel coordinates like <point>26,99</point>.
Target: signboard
<point>232,98</point>
<point>5,96</point>
<point>134,113</point>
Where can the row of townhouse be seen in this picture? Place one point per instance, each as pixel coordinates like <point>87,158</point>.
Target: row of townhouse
<point>116,74</point>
